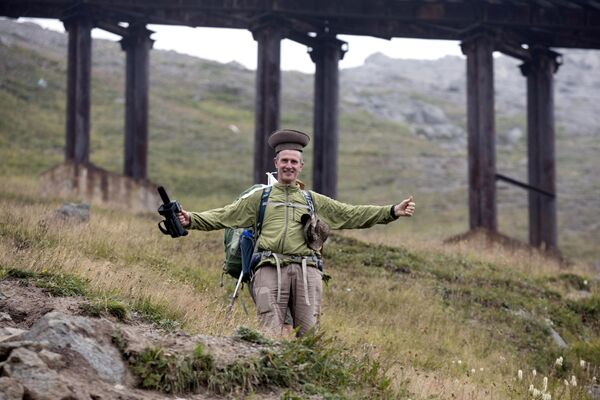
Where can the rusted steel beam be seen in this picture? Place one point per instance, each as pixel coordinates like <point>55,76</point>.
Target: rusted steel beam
<point>513,50</point>
<point>79,70</point>
<point>539,71</point>
<point>112,28</point>
<point>525,186</point>
<point>326,53</point>
<point>510,12</point>
<point>268,95</point>
<point>481,131</point>
<point>137,45</point>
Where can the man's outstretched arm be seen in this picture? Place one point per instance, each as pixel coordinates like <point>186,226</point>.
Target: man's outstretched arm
<point>340,215</point>
<point>239,214</point>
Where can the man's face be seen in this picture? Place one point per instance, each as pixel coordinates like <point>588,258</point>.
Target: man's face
<point>289,164</point>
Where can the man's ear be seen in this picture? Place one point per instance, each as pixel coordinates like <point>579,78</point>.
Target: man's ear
<point>275,161</point>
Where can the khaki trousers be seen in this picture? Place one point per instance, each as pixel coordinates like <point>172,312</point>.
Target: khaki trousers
<point>304,302</point>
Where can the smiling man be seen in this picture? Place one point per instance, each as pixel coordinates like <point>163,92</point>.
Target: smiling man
<point>288,270</point>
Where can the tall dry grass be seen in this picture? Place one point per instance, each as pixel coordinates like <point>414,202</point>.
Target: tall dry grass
<point>123,255</point>
<point>433,350</point>
<point>533,262</point>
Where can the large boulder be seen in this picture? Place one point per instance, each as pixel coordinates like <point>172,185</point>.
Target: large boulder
<point>90,339</point>
<point>30,373</point>
<point>11,389</point>
<point>77,212</point>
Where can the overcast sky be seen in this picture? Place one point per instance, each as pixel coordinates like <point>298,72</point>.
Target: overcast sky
<point>225,45</point>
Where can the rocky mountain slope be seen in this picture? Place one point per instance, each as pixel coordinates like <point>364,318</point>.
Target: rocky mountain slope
<point>50,348</point>
<point>388,88</point>
<point>57,344</point>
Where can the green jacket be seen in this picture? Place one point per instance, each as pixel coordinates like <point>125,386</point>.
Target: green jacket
<point>282,229</point>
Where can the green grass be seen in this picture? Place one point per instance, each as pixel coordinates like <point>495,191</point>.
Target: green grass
<point>172,373</point>
<point>106,306</point>
<point>251,335</point>
<point>58,285</point>
<point>313,365</point>
<point>512,306</point>
<point>100,304</point>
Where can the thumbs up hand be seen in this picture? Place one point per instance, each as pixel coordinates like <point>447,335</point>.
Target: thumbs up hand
<point>406,208</point>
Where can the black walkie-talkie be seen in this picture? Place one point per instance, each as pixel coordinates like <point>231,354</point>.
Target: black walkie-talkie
<point>169,209</point>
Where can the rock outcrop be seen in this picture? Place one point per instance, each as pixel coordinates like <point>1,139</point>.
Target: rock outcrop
<point>61,354</point>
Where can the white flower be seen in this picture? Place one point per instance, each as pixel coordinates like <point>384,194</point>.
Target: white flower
<point>582,363</point>
<point>545,384</point>
<point>566,382</point>
<point>531,388</point>
<point>534,372</point>
<point>472,370</point>
<point>559,362</point>
<point>481,369</point>
<point>546,396</point>
<point>459,362</point>
<point>594,379</point>
<point>536,393</point>
<point>585,283</point>
<point>520,375</point>
<point>573,381</point>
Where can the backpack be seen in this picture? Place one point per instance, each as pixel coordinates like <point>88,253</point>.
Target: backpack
<point>234,237</point>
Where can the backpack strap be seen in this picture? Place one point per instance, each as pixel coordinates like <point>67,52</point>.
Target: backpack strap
<point>309,202</point>
<point>264,199</point>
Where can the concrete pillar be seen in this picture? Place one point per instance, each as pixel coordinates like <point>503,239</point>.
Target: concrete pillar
<point>326,54</point>
<point>539,71</point>
<point>268,95</point>
<point>137,45</point>
<point>79,71</point>
<point>481,132</point>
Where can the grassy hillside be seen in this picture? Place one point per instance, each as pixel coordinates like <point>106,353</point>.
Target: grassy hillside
<point>447,320</point>
<point>456,321</point>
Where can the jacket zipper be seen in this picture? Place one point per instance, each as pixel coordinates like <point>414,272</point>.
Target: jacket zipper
<point>286,221</point>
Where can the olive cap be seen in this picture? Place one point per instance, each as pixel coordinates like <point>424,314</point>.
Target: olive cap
<point>288,139</point>
<point>315,231</point>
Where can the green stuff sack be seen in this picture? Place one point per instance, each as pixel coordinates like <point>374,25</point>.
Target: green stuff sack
<point>233,257</point>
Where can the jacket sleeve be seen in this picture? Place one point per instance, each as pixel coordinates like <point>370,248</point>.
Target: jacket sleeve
<point>340,215</point>
<point>240,214</point>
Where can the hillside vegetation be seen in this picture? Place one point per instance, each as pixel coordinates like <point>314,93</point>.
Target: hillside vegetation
<point>455,320</point>
<point>401,130</point>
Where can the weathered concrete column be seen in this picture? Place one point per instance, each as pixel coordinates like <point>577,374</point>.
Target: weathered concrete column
<point>481,132</point>
<point>137,45</point>
<point>268,95</point>
<point>326,55</point>
<point>79,69</point>
<point>539,71</point>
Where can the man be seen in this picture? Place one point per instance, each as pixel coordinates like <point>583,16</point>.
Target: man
<point>288,272</point>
